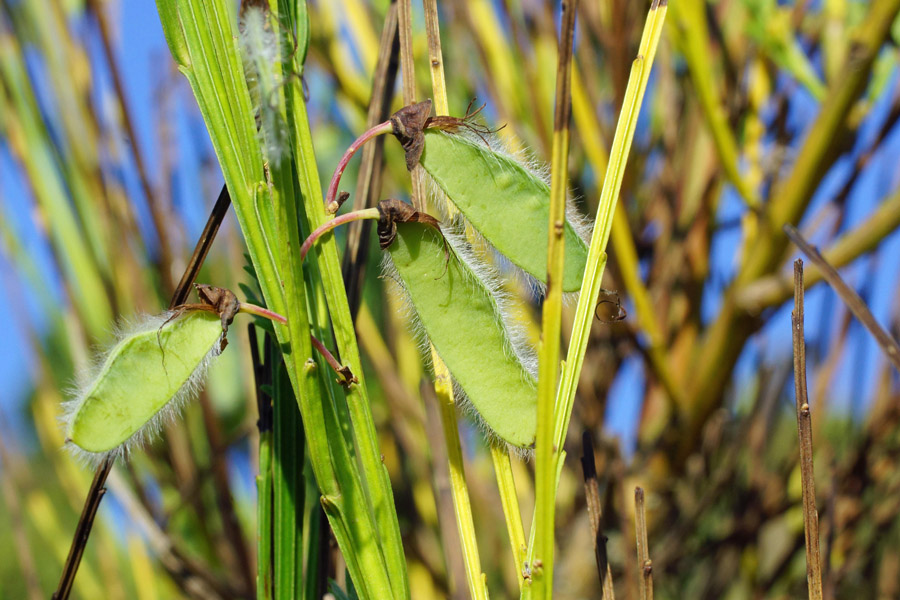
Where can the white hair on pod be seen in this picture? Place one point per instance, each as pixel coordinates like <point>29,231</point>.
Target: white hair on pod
<point>581,225</point>
<point>85,382</point>
<point>262,49</point>
<point>481,274</point>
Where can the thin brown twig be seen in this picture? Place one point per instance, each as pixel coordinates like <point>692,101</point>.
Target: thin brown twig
<point>368,183</point>
<point>804,426</point>
<point>156,210</point>
<point>625,524</point>
<point>83,530</point>
<point>97,489</point>
<point>240,557</point>
<point>865,237</point>
<point>856,304</point>
<point>408,69</point>
<point>595,514</point>
<point>643,548</point>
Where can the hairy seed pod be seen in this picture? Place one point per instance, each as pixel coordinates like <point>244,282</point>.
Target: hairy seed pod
<point>461,312</point>
<point>506,202</point>
<point>143,379</point>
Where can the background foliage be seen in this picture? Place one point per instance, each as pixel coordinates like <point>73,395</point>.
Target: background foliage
<point>758,114</point>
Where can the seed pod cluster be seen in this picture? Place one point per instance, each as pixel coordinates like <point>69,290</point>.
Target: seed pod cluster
<point>453,292</point>
<point>502,195</point>
<point>506,201</point>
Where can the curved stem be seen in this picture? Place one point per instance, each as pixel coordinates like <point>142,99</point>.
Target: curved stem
<point>259,311</point>
<point>331,204</point>
<point>368,213</point>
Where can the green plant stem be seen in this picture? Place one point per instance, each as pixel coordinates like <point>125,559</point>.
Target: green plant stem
<point>264,571</point>
<point>264,478</point>
<point>623,244</point>
<point>201,35</point>
<point>443,386</point>
<point>510,500</point>
<point>612,183</point>
<point>375,568</point>
<point>375,473</point>
<point>546,451</point>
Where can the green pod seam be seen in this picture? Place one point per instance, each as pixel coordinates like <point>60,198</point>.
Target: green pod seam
<point>143,380</point>
<point>461,311</point>
<point>506,202</point>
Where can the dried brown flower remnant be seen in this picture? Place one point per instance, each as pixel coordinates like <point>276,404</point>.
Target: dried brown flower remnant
<point>410,122</point>
<point>408,125</point>
<point>395,211</point>
<point>223,302</point>
<point>467,122</point>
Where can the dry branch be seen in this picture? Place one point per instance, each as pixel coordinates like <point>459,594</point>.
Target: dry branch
<point>856,304</point>
<point>595,514</point>
<point>643,547</point>
<point>804,425</point>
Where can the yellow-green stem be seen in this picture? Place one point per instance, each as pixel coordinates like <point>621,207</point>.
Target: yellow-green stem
<point>510,501</point>
<point>546,450</point>
<point>442,383</point>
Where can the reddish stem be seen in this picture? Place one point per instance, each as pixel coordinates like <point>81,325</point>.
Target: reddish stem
<point>325,352</point>
<point>259,311</point>
<point>331,204</point>
<point>346,376</point>
<point>369,213</point>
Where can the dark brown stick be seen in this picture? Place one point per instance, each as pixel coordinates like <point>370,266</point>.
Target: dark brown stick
<point>804,426</point>
<point>408,71</point>
<point>856,304</point>
<point>368,183</point>
<point>239,555</point>
<point>204,243</point>
<point>595,514</point>
<point>157,213</point>
<point>643,547</point>
<point>97,489</point>
<point>83,530</point>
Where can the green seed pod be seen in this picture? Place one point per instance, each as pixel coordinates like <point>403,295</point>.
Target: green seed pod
<point>460,309</point>
<point>144,379</point>
<point>506,202</point>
